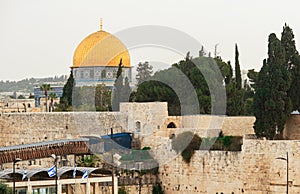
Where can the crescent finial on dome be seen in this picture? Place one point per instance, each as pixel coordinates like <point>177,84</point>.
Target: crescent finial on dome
<point>101,24</point>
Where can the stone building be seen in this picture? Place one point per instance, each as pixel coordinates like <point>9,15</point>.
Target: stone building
<point>97,57</point>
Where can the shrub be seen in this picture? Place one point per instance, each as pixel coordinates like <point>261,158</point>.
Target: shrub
<point>181,141</point>
<point>186,143</point>
<point>227,141</point>
<point>157,189</point>
<point>4,189</point>
<point>122,190</point>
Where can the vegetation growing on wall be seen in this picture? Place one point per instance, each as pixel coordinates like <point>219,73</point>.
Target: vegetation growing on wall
<point>87,161</point>
<point>122,190</point>
<point>157,189</point>
<point>187,143</point>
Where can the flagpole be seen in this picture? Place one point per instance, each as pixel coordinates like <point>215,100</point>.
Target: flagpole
<point>56,177</point>
<point>113,167</point>
<point>75,174</point>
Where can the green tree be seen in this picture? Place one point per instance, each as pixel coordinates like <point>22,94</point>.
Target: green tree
<point>46,88</point>
<point>292,63</point>
<point>263,121</point>
<point>66,99</point>
<point>4,189</point>
<point>122,90</point>
<point>186,143</point>
<point>202,52</point>
<point>288,43</point>
<point>122,190</point>
<point>31,96</point>
<point>126,90</point>
<point>87,161</point>
<point>144,72</point>
<point>21,97</point>
<point>253,76</point>
<point>157,189</point>
<point>102,98</point>
<point>271,102</point>
<point>52,97</point>
<point>238,77</point>
<point>248,99</point>
<point>294,91</point>
<point>193,70</point>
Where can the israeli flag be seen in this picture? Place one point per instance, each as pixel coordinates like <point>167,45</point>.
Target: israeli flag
<point>85,174</point>
<point>74,172</point>
<point>52,171</point>
<point>24,174</point>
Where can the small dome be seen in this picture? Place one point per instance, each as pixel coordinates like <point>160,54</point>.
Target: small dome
<point>101,49</point>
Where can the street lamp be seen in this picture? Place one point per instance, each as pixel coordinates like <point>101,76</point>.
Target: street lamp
<point>14,171</point>
<point>56,177</point>
<point>112,158</point>
<point>287,170</point>
<point>139,172</point>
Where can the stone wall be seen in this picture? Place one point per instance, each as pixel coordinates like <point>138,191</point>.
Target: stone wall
<point>292,127</point>
<point>253,170</point>
<point>23,128</point>
<point>145,120</point>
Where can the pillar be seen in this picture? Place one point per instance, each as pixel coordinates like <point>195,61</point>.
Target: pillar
<point>116,184</point>
<point>88,187</point>
<point>96,188</point>
<point>59,188</point>
<point>69,189</point>
<point>29,187</point>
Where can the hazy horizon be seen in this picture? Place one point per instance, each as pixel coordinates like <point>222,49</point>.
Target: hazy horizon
<point>38,39</point>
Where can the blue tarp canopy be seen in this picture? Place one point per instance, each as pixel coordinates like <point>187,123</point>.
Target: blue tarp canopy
<point>122,139</point>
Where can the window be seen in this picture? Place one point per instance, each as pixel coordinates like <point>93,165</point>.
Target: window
<point>91,73</point>
<point>171,125</point>
<point>138,126</point>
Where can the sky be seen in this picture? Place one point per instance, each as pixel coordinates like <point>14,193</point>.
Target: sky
<point>38,38</point>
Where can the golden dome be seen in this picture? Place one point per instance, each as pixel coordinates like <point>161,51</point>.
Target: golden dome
<point>101,49</point>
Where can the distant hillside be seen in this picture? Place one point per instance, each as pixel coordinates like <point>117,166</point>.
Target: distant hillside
<point>27,85</point>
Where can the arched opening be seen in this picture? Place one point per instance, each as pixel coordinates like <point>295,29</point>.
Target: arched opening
<point>138,126</point>
<point>171,125</point>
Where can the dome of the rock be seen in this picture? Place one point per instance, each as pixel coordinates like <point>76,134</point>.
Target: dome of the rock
<point>97,57</point>
<point>101,49</point>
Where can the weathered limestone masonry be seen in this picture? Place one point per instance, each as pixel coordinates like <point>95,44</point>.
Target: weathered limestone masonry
<point>145,120</point>
<point>293,127</point>
<point>253,170</point>
<point>22,128</point>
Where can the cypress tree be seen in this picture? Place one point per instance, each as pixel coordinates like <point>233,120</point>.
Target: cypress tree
<point>238,77</point>
<point>118,86</point>
<point>262,123</point>
<point>271,104</point>
<point>288,43</point>
<point>66,99</point>
<point>292,63</point>
<point>126,91</point>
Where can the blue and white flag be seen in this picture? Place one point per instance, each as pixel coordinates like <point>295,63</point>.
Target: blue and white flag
<point>85,174</point>
<point>74,172</point>
<point>52,171</point>
<point>24,174</point>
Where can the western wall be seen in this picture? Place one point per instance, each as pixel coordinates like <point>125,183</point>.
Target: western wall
<point>255,169</point>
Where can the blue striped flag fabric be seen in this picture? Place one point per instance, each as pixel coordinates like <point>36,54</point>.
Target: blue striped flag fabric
<point>85,174</point>
<point>74,172</point>
<point>52,171</point>
<point>24,174</point>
